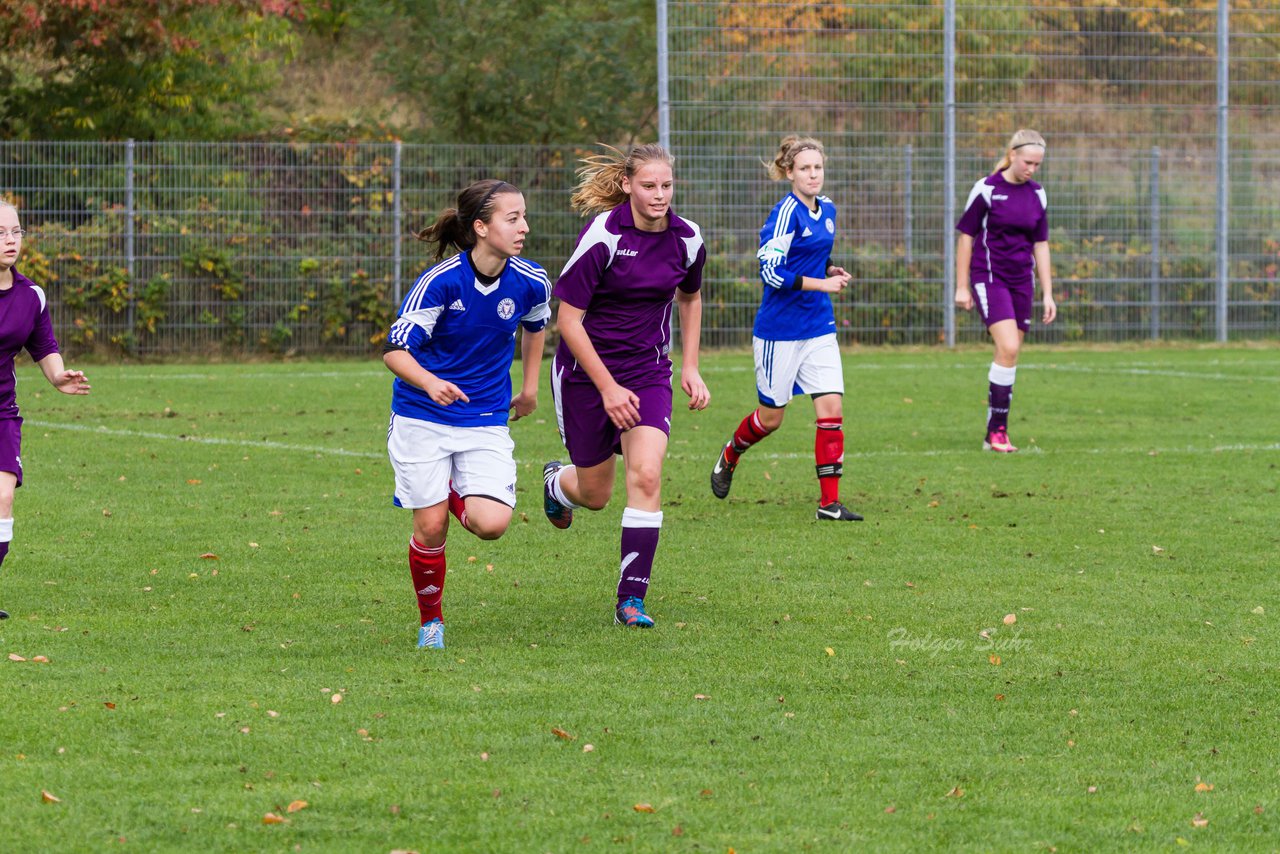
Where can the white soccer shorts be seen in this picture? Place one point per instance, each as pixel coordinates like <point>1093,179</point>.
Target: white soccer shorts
<point>787,368</point>
<point>426,456</point>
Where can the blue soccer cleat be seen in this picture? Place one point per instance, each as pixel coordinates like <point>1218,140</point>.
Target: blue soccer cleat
<point>431,635</point>
<point>630,613</point>
<point>557,513</point>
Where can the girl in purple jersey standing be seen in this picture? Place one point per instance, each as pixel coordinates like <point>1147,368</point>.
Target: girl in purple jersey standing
<point>24,323</point>
<point>794,338</point>
<point>1003,244</point>
<point>611,376</point>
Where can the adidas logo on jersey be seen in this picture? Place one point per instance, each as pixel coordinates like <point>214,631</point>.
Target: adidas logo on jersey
<point>457,305</point>
<point>807,232</point>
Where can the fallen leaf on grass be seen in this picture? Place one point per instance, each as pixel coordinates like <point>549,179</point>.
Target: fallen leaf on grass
<point>1198,820</point>
<point>643,808</point>
<point>701,697</point>
<point>209,556</point>
<point>891,809</point>
<point>587,748</point>
<point>272,818</point>
<point>1259,610</point>
<point>295,806</point>
<point>49,797</point>
<point>956,792</point>
<point>999,698</point>
<point>109,705</point>
<point>194,481</point>
<point>13,656</point>
<point>830,651</point>
<point>559,733</point>
<point>336,698</point>
<point>1204,787</point>
<point>994,659</point>
<point>1010,619</point>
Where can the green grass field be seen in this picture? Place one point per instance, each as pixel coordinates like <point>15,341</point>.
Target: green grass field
<point>808,687</point>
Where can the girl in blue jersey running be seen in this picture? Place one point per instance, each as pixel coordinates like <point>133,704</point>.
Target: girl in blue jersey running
<point>794,339</point>
<point>451,350</point>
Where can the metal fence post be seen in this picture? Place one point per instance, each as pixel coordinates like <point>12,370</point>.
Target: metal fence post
<point>664,79</point>
<point>1224,98</point>
<point>1155,243</point>
<point>949,172</point>
<point>908,212</point>
<point>130,253</point>
<point>396,240</point>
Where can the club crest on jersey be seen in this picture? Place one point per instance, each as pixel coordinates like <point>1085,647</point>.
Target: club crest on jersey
<point>506,308</point>
<point>831,226</point>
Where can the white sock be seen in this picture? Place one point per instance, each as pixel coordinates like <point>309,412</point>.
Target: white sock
<point>1000,375</point>
<point>6,530</point>
<point>557,492</point>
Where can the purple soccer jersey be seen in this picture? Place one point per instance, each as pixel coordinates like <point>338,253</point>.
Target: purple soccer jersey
<point>24,323</point>
<point>1005,221</point>
<point>625,280</point>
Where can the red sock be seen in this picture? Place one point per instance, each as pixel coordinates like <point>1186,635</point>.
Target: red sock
<point>748,433</point>
<point>458,507</point>
<point>828,452</point>
<point>426,565</point>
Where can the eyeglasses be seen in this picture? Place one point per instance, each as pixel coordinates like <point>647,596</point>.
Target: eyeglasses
<point>16,232</point>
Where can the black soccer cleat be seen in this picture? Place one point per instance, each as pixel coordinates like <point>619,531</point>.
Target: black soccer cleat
<point>837,512</point>
<point>722,475</point>
<point>4,615</point>
<point>558,514</point>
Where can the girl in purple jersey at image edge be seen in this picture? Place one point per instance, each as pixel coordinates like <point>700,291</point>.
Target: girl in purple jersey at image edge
<point>794,339</point>
<point>24,323</point>
<point>1003,245</point>
<point>611,375</point>
<point>451,351</point>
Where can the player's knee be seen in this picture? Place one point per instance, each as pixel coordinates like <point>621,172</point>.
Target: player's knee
<point>644,479</point>
<point>595,499</point>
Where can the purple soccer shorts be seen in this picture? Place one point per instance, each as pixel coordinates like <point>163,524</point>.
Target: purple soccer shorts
<point>995,302</point>
<point>588,434</point>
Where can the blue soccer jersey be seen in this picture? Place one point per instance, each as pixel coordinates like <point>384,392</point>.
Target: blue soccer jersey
<point>795,242</point>
<point>463,330</point>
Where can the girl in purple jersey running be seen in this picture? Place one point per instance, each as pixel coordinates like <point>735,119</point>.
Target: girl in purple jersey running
<point>1003,244</point>
<point>611,376</point>
<point>24,323</point>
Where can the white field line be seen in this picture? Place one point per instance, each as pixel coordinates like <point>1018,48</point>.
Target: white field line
<point>938,452</point>
<point>207,440</point>
<point>851,363</point>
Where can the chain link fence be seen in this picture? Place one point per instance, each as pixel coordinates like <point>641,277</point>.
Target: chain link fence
<point>159,248</point>
<point>1129,96</point>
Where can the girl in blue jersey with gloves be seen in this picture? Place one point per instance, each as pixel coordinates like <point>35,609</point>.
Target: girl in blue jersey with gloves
<point>451,350</point>
<point>794,339</point>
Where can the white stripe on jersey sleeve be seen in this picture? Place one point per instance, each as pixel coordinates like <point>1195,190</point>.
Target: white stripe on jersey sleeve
<point>40,293</point>
<point>1043,197</point>
<point>402,329</point>
<point>983,189</point>
<point>774,251</point>
<point>595,234</point>
<point>542,311</point>
<point>418,293</point>
<point>692,245</point>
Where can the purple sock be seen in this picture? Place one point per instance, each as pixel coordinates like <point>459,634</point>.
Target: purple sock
<point>4,551</point>
<point>999,396</point>
<point>640,530</point>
